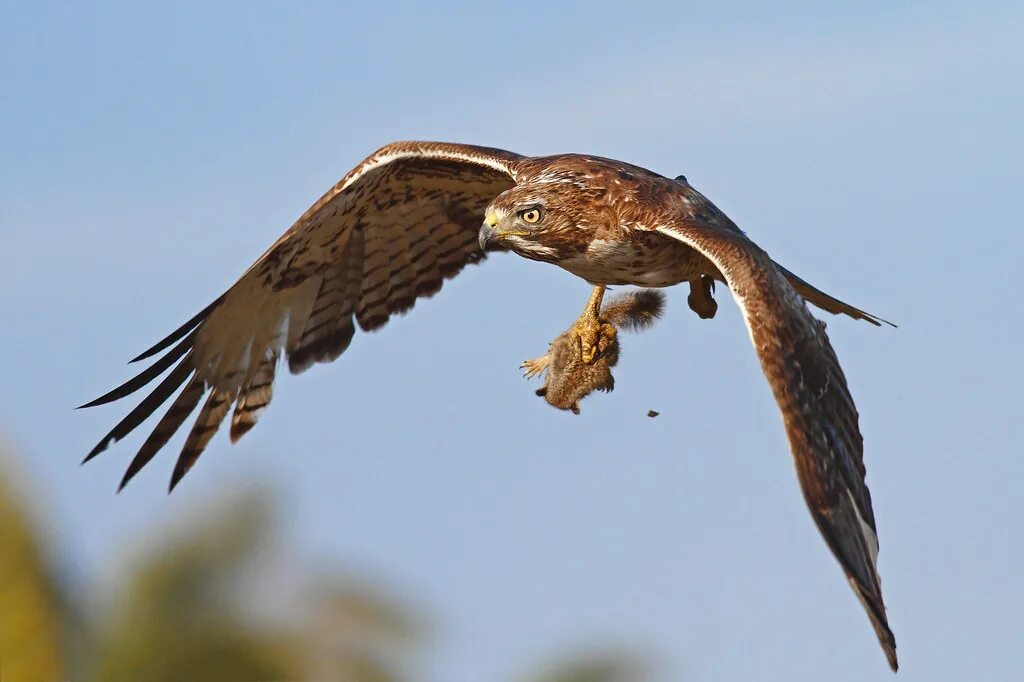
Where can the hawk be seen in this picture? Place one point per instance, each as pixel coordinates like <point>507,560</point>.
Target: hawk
<point>409,217</point>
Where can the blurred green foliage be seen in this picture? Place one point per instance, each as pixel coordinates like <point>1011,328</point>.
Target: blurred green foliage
<point>31,639</point>
<point>599,666</point>
<point>177,618</point>
<point>186,609</point>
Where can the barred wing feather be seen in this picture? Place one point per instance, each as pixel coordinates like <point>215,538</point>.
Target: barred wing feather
<point>389,233</point>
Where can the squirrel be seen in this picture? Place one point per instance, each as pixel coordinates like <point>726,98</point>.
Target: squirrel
<point>568,379</point>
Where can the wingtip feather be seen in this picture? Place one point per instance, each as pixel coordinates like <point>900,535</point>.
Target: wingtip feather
<point>100,447</point>
<point>176,476</point>
<point>146,376</point>
<point>876,320</point>
<point>876,613</point>
<point>179,332</point>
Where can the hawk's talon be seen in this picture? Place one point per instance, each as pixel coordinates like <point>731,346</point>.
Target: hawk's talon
<point>596,341</point>
<point>588,351</point>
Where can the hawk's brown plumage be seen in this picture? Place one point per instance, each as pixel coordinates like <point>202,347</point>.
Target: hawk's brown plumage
<point>409,216</point>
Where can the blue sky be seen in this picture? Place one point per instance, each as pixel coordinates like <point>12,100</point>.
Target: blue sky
<point>149,154</point>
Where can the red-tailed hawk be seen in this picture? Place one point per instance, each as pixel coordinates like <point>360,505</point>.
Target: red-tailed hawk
<point>409,216</point>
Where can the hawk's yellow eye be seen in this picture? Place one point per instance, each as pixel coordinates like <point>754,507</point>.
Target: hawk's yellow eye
<point>530,215</point>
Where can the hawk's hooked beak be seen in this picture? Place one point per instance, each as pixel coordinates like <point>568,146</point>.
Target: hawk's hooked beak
<point>488,231</point>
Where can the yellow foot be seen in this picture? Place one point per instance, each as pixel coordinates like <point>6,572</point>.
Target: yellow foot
<point>594,339</point>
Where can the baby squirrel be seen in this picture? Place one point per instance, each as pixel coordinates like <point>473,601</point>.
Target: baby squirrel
<point>568,378</point>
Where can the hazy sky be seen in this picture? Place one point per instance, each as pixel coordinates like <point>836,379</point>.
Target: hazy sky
<point>148,155</point>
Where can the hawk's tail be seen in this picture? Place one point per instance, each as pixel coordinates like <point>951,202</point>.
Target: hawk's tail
<point>827,303</point>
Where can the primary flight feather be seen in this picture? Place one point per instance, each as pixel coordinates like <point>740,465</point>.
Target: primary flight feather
<point>413,214</point>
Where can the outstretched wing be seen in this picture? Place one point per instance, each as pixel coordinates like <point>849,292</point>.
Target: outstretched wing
<point>810,389</point>
<point>390,232</point>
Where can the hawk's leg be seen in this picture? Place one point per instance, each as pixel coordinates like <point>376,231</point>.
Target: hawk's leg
<point>700,299</point>
<point>594,336</point>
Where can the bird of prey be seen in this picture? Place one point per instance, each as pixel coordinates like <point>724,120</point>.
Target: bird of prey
<point>413,214</point>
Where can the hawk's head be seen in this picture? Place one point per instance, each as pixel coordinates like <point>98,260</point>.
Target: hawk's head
<point>545,221</point>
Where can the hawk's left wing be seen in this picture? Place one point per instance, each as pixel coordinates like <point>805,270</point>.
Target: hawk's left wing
<point>810,389</point>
